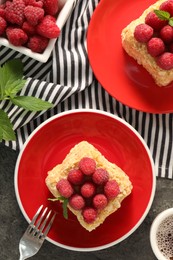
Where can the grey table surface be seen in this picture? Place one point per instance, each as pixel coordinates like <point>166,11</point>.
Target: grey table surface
<point>13,224</point>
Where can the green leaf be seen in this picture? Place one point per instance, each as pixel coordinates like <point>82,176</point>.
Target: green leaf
<point>11,82</point>
<point>163,15</point>
<point>31,103</point>
<point>11,71</point>
<point>170,21</point>
<point>13,87</point>
<point>65,209</point>
<point>6,128</point>
<point>65,202</point>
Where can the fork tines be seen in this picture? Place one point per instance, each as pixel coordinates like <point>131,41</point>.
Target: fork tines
<point>41,223</point>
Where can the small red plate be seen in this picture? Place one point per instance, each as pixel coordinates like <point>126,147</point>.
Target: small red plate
<point>119,74</point>
<point>118,142</point>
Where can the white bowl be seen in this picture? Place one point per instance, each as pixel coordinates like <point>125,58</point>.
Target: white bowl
<point>66,7</point>
<point>154,230</point>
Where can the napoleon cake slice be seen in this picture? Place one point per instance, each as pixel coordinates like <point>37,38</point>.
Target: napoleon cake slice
<point>149,40</point>
<point>94,187</point>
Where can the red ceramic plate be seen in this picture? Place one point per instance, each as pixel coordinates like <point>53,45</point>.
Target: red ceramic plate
<point>118,142</point>
<point>119,74</point>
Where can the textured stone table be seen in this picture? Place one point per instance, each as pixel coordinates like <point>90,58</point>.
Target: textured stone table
<point>13,224</point>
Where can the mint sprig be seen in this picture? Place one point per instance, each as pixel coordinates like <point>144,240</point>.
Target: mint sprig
<point>30,103</point>
<point>163,15</point>
<point>11,82</point>
<point>6,128</point>
<point>64,205</point>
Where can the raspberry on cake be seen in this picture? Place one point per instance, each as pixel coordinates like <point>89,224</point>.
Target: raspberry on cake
<point>88,189</point>
<point>64,187</point>
<point>75,176</point>
<point>100,176</point>
<point>100,201</point>
<point>77,202</point>
<point>87,165</point>
<point>93,186</point>
<point>149,40</point>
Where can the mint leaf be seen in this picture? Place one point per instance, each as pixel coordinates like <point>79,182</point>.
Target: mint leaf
<point>6,128</point>
<point>163,15</point>
<point>11,82</point>
<point>170,21</point>
<point>65,202</point>
<point>13,87</point>
<point>10,71</point>
<point>65,210</point>
<point>31,103</point>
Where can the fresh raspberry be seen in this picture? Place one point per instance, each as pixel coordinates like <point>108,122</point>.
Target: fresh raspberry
<point>37,43</point>
<point>3,25</point>
<point>48,29</point>
<point>111,189</point>
<point>171,47</point>
<point>77,202</point>
<point>51,6</point>
<point>8,3</point>
<point>100,201</point>
<point>155,22</point>
<point>75,176</point>
<point>28,28</point>
<point>2,13</point>
<point>34,3</point>
<point>167,6</point>
<point>14,12</point>
<point>50,18</point>
<point>100,176</point>
<point>165,61</point>
<point>143,33</point>
<point>87,165</point>
<point>33,14</point>
<point>2,10</point>
<point>89,214</point>
<point>64,187</point>
<point>88,189</point>
<point>16,36</point>
<point>2,6</point>
<point>166,34</point>
<point>155,47</point>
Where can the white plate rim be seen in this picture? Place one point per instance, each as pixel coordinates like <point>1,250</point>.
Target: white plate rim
<point>90,249</point>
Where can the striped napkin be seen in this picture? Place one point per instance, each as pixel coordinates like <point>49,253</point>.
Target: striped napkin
<point>68,82</point>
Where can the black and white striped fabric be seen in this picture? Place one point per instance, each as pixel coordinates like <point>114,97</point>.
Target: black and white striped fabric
<point>68,82</point>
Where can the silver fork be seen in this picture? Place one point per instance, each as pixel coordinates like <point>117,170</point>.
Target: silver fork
<point>35,234</point>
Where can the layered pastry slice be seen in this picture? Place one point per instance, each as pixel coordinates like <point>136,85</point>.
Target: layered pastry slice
<point>149,40</point>
<point>93,187</point>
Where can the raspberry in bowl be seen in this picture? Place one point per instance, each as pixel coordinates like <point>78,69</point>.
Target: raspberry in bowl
<point>32,27</point>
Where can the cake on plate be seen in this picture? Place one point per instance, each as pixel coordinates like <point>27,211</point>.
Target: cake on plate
<point>92,186</point>
<point>149,40</point>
